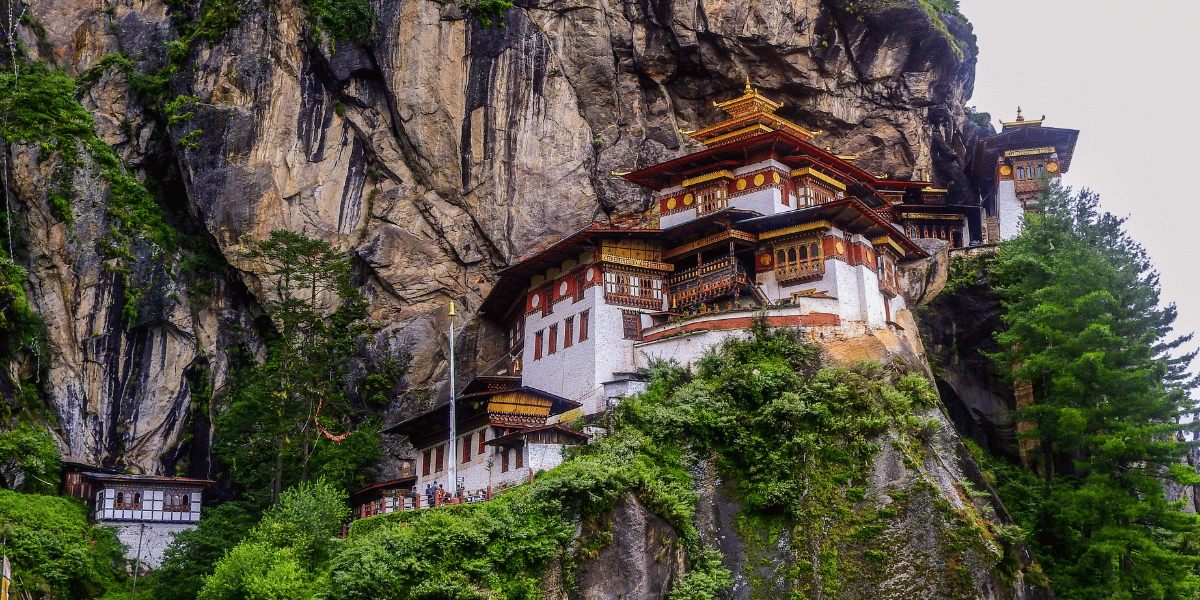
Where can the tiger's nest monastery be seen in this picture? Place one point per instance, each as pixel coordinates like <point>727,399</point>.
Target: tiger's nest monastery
<point>760,222</point>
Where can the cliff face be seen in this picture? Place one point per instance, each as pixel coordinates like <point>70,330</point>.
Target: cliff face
<point>435,154</point>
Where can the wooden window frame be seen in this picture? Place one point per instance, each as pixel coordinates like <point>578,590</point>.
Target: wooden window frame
<point>482,437</point>
<point>537,344</point>
<point>553,344</point>
<point>583,326</point>
<point>426,461</point>
<point>628,317</point>
<point>439,460</point>
<point>795,260</point>
<point>466,455</point>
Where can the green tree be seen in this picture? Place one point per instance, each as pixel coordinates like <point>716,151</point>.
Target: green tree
<point>193,553</point>
<point>282,556</point>
<point>1086,331</point>
<point>283,414</point>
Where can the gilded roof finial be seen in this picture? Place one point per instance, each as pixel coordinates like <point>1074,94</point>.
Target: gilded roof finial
<point>749,90</point>
<point>1019,117</point>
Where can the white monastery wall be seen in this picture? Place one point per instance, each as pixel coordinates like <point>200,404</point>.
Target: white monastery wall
<point>1009,209</point>
<point>155,538</point>
<point>569,372</point>
<point>152,507</point>
<point>673,219</point>
<point>765,201</point>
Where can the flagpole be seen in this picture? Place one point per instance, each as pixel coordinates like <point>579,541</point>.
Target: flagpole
<point>453,421</point>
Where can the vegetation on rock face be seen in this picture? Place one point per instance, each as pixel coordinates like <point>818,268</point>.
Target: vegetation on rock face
<point>1086,333</point>
<point>798,442</point>
<point>55,553</point>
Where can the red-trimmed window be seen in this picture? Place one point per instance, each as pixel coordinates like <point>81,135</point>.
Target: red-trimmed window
<point>440,461</point>
<point>537,345</point>
<point>553,340</point>
<point>482,436</point>
<point>568,326</point>
<point>583,326</point>
<point>425,462</point>
<point>520,461</point>
<point>466,448</point>
<point>504,461</point>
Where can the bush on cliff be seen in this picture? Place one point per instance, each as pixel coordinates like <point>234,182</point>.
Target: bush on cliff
<point>55,553</point>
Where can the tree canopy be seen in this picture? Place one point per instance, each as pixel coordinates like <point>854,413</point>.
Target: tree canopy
<point>1105,420</point>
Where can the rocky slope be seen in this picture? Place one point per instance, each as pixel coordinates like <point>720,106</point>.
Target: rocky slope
<point>435,154</point>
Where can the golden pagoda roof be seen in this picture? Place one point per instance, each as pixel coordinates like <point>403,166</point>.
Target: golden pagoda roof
<point>749,114</point>
<point>1022,121</point>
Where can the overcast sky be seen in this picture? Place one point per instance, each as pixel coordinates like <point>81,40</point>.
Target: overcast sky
<point>1125,75</point>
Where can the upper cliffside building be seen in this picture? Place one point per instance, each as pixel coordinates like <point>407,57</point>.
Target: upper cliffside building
<point>1012,166</point>
<point>760,222</point>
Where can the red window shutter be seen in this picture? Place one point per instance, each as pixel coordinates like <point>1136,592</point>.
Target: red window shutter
<point>425,463</point>
<point>466,448</point>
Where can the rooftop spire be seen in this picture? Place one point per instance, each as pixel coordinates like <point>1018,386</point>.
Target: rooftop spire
<point>749,114</point>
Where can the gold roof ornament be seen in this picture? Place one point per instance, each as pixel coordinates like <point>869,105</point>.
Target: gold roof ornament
<point>1022,121</point>
<point>749,114</point>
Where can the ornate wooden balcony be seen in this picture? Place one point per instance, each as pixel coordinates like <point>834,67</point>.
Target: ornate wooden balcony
<point>800,271</point>
<point>706,282</point>
<point>888,287</point>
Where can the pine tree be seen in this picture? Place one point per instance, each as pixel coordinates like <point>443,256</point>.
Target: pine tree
<point>1085,330</point>
<point>272,430</point>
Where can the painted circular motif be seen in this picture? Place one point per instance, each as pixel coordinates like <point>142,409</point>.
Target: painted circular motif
<point>562,288</point>
<point>759,179</point>
<point>765,260</point>
<point>741,184</point>
<point>1005,170</point>
<point>840,248</point>
<point>687,200</point>
<point>1052,167</point>
<point>671,204</point>
<point>591,275</point>
<point>535,300</point>
<point>775,177</point>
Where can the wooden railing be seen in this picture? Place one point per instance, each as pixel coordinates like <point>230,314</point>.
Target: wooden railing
<point>707,281</point>
<point>788,273</point>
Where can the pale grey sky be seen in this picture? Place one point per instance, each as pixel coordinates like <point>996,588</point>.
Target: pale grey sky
<point>1125,75</point>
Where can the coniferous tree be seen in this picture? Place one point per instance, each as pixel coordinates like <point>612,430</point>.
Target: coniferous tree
<point>272,432</point>
<point>1086,332</point>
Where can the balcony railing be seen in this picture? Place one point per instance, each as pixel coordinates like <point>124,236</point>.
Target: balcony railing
<point>692,273</point>
<point>791,273</point>
<point>706,282</point>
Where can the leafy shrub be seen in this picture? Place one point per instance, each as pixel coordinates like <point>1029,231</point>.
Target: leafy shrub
<point>36,454</point>
<point>195,552</point>
<point>55,553</point>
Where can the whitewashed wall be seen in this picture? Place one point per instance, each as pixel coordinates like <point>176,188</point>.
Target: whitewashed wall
<point>155,538</point>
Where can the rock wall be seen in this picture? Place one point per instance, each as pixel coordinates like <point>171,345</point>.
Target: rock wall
<point>435,154</point>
